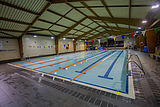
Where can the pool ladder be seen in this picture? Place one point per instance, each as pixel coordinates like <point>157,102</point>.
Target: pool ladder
<point>141,72</point>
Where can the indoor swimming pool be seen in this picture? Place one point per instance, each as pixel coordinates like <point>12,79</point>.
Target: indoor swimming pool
<point>103,70</point>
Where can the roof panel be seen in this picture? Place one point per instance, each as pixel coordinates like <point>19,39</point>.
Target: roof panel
<point>76,4</point>
<point>49,16</point>
<point>75,15</point>
<point>139,12</point>
<point>111,24</point>
<point>79,27</point>
<point>101,12</point>
<point>41,24</point>
<point>93,25</point>
<point>86,11</point>
<point>14,33</point>
<point>122,25</point>
<point>87,21</point>
<point>60,8</point>
<point>133,27</point>
<point>58,28</point>
<point>121,12</point>
<point>33,5</point>
<point>142,2</point>
<point>43,32</point>
<point>11,13</point>
<point>117,2</point>
<point>79,33</point>
<point>94,3</point>
<point>12,26</point>
<point>72,31</point>
<point>66,22</point>
<point>86,29</point>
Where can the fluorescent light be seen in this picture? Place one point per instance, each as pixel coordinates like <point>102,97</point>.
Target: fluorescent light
<point>34,36</point>
<point>52,37</point>
<point>139,28</point>
<point>155,6</point>
<point>72,39</point>
<point>64,38</point>
<point>144,21</point>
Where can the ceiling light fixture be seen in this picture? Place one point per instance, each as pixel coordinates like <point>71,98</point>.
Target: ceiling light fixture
<point>144,21</point>
<point>34,36</point>
<point>155,6</point>
<point>52,37</point>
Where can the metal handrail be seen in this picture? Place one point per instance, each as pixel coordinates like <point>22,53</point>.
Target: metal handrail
<point>140,66</point>
<point>137,57</point>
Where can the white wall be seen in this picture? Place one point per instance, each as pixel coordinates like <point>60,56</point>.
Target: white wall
<point>129,42</point>
<point>9,49</point>
<point>62,48</point>
<point>38,46</point>
<point>79,45</point>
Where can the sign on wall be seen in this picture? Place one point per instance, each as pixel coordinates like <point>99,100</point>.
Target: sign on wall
<point>1,46</point>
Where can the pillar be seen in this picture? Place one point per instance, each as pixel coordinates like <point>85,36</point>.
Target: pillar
<point>74,45</point>
<point>20,43</point>
<point>151,40</point>
<point>56,44</point>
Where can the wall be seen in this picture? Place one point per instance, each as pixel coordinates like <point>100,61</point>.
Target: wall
<point>80,45</point>
<point>129,42</point>
<point>62,44</point>
<point>9,49</point>
<point>38,46</point>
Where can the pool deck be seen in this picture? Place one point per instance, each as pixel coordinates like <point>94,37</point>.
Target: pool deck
<point>21,88</point>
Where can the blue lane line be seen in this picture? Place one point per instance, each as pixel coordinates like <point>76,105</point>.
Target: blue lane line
<point>94,63</point>
<point>110,68</point>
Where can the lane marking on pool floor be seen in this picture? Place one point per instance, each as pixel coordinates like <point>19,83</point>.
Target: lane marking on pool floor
<point>53,64</point>
<point>110,68</point>
<point>43,62</point>
<point>76,63</point>
<point>34,61</point>
<point>94,65</point>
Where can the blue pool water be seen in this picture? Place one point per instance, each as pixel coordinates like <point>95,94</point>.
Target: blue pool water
<point>104,69</point>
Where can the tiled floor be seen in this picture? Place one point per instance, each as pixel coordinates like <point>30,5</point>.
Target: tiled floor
<point>21,88</point>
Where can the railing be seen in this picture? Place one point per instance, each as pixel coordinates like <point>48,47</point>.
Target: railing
<point>139,66</point>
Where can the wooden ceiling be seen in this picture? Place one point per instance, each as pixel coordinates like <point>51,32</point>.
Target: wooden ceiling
<point>79,19</point>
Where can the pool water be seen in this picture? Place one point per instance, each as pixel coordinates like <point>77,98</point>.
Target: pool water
<point>100,69</point>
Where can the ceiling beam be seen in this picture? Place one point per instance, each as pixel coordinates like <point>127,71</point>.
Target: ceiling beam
<point>37,17</point>
<point>9,30</point>
<point>8,34</point>
<point>67,18</point>
<point>107,9</point>
<point>121,28</point>
<point>63,1</point>
<point>43,29</point>
<point>14,21</point>
<point>86,6</point>
<point>57,24</point>
<point>61,18</point>
<point>84,34</point>
<point>130,3</point>
<point>133,22</point>
<point>69,29</point>
<point>19,8</point>
<point>114,6</point>
<point>154,23</point>
<point>46,21</point>
<point>102,33</point>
